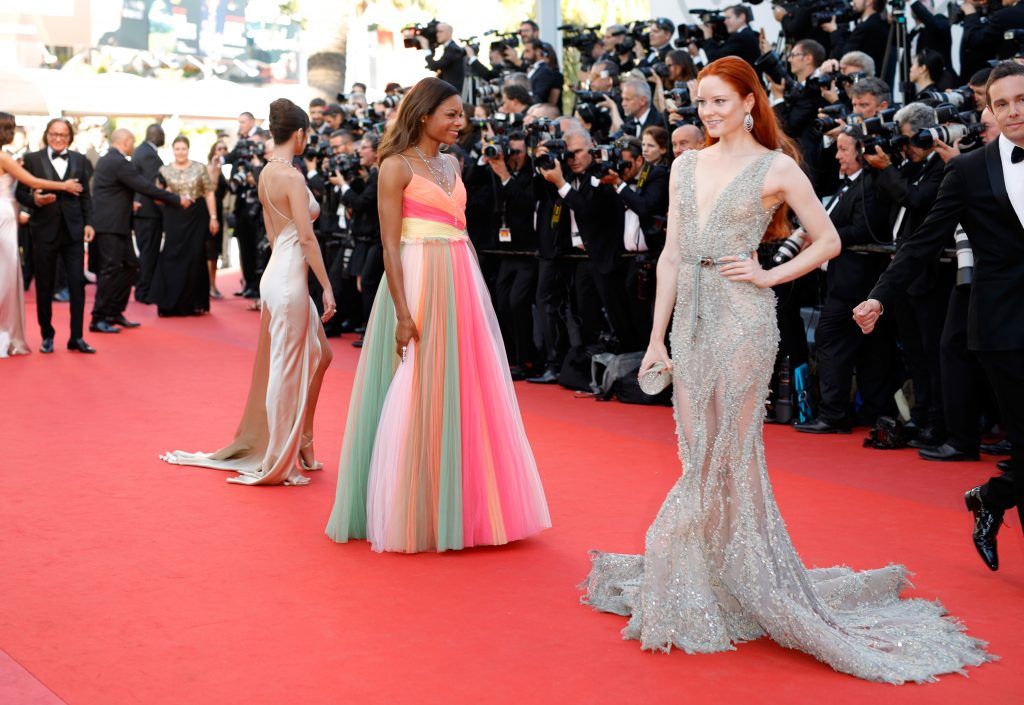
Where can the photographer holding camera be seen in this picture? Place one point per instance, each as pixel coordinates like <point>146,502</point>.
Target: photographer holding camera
<point>515,288</point>
<point>636,104</point>
<point>616,49</point>
<point>984,37</point>
<point>448,65</point>
<point>596,227</point>
<point>911,188</point>
<point>515,100</point>
<point>643,188</point>
<point>859,220</point>
<point>660,37</point>
<point>545,81</point>
<point>870,32</point>
<point>358,186</point>
<point>246,162</point>
<point>742,41</point>
<point>932,31</point>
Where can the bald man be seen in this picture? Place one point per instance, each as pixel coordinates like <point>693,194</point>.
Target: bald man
<point>450,65</point>
<point>685,138</point>
<point>114,187</point>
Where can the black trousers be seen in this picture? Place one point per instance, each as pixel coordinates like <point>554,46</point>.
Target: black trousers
<point>515,291</point>
<point>370,276</point>
<point>963,380</point>
<point>45,257</point>
<point>843,348</point>
<point>641,286</point>
<point>147,236</point>
<point>118,269</point>
<point>596,291</point>
<point>553,293</point>
<point>1005,371</point>
<point>920,321</point>
<point>247,232</point>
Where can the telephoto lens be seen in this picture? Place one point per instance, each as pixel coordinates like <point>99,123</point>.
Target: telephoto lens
<point>964,259</point>
<point>790,247</point>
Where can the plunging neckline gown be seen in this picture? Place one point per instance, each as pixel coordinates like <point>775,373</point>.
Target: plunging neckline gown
<point>435,456</point>
<point>289,368</point>
<point>719,567</point>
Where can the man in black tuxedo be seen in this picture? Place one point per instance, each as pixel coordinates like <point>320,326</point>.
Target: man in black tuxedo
<point>545,82</point>
<point>148,222</point>
<point>114,187</point>
<point>451,64</point>
<point>639,110</point>
<point>870,33</point>
<point>247,228</point>
<point>932,32</point>
<point>859,220</point>
<point>596,218</point>
<point>742,41</point>
<point>660,32</point>
<point>59,225</point>
<point>984,192</point>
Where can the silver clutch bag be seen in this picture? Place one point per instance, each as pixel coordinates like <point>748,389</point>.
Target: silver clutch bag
<point>655,380</point>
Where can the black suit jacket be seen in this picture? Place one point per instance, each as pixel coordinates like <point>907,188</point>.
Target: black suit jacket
<point>983,37</point>
<point>365,223</point>
<point>860,220</point>
<point>599,217</point>
<point>745,44</point>
<point>553,237</point>
<point>870,36</point>
<point>543,81</point>
<point>148,163</point>
<point>451,66</point>
<point>914,186</point>
<point>973,193</point>
<point>74,211</point>
<point>650,201</point>
<point>934,33</point>
<point>114,187</point>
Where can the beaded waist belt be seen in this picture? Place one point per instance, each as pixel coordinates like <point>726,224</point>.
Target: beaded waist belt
<point>699,263</point>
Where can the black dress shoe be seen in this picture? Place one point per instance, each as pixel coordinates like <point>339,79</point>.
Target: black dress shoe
<point>1004,466</point>
<point>357,343</point>
<point>81,346</point>
<point>123,322</point>
<point>251,294</point>
<point>103,327</point>
<point>821,426</point>
<point>946,453</point>
<point>927,438</point>
<point>986,526</point>
<point>1000,448</point>
<point>517,373</point>
<point>549,377</point>
<point>62,296</point>
<point>46,346</point>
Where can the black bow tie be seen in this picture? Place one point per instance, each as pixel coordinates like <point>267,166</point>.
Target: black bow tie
<point>64,155</point>
<point>1017,155</point>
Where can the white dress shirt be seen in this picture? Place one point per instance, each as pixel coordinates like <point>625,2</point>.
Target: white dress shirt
<point>61,165</point>
<point>1013,177</point>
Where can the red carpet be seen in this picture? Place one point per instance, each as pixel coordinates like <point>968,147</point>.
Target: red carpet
<point>125,580</point>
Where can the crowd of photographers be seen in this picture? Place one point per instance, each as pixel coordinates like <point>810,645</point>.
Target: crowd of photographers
<point>568,195</point>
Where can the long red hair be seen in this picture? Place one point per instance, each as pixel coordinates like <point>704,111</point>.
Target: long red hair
<point>738,74</point>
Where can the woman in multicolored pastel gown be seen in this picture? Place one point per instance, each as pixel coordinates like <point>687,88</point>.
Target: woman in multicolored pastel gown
<point>435,456</point>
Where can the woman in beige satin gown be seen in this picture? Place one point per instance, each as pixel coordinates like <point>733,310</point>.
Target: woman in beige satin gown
<point>274,440</point>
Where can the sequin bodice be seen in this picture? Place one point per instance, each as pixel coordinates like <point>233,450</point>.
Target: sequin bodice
<point>192,181</point>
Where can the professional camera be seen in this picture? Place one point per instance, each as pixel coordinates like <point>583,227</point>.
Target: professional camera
<point>962,97</point>
<point>826,80</point>
<point>790,247</point>
<point>317,147</point>
<point>391,101</point>
<point>582,38</point>
<point>948,133</point>
<point>495,147</point>
<point>608,157</point>
<point>556,153</point>
<point>429,30</point>
<point>885,135</point>
<point>693,34</point>
<point>682,100</point>
<point>508,39</point>
<point>964,259</point>
<point>659,69</point>
<point>540,130</point>
<point>248,148</point>
<point>490,92</point>
<point>636,33</point>
<point>345,164</point>
<point>833,114</point>
<point>823,11</point>
<point>956,13</point>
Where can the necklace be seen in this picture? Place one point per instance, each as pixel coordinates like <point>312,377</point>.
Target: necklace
<point>440,176</point>
<point>279,160</point>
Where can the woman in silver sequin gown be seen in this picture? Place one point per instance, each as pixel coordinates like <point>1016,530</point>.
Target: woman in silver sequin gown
<point>719,567</point>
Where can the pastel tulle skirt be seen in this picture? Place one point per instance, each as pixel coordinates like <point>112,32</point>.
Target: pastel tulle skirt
<point>435,456</point>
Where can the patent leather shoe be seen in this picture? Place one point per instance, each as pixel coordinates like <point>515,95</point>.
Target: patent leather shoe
<point>1004,466</point>
<point>103,327</point>
<point>46,346</point>
<point>821,426</point>
<point>357,343</point>
<point>946,453</point>
<point>927,438</point>
<point>123,322</point>
<point>549,377</point>
<point>79,345</point>
<point>1000,448</point>
<point>986,526</point>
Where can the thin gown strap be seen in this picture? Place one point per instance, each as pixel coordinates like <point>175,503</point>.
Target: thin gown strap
<point>270,202</point>
<point>408,164</point>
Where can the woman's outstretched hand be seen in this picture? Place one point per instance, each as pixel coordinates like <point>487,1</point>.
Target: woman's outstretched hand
<point>747,269</point>
<point>656,352</point>
<point>330,307</point>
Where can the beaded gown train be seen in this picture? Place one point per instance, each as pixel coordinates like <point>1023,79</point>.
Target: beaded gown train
<point>719,567</point>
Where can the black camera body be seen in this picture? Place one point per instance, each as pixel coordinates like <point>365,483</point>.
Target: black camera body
<point>582,38</point>
<point>608,157</point>
<point>557,153</point>
<point>428,30</point>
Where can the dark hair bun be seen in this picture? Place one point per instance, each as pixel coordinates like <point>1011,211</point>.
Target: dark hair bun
<point>286,118</point>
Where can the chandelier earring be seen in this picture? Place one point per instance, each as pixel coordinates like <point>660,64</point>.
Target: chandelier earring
<point>748,122</point>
